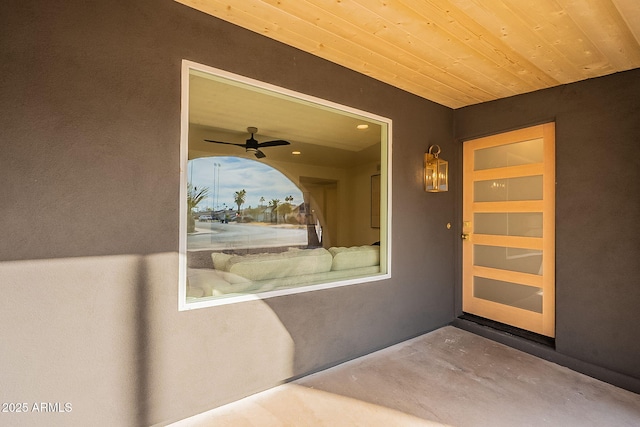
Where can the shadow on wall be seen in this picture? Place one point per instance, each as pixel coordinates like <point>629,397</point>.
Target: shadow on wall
<point>104,334</point>
<point>142,355</point>
<point>186,362</point>
<point>76,338</point>
<point>332,326</point>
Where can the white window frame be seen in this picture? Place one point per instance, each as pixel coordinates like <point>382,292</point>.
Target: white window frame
<point>385,162</point>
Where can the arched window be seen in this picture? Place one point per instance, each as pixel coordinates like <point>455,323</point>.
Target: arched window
<point>267,209</point>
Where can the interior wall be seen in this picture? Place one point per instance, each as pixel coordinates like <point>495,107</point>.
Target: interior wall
<point>90,119</point>
<point>597,211</point>
<point>359,198</point>
<point>322,185</point>
<point>322,202</point>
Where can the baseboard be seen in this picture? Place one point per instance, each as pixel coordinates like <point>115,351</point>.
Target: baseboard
<point>548,352</point>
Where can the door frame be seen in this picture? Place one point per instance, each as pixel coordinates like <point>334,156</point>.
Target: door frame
<point>543,324</point>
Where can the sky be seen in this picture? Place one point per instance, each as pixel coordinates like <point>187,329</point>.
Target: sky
<point>226,175</point>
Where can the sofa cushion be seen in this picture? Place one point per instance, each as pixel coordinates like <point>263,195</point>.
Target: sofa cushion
<point>278,265</point>
<point>215,282</point>
<point>354,257</point>
<point>220,260</point>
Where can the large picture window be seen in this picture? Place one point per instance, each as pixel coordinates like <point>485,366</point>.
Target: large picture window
<point>277,194</point>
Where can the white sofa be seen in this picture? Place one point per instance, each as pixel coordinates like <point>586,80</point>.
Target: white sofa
<point>243,274</point>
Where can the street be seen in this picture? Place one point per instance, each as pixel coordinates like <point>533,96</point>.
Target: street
<point>218,236</point>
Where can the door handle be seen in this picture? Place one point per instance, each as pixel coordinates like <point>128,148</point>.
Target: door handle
<point>464,236</point>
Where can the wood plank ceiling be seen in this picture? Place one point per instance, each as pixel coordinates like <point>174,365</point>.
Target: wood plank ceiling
<point>453,52</point>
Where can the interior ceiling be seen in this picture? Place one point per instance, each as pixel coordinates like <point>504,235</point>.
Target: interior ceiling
<point>222,110</point>
<point>226,106</point>
<point>453,52</point>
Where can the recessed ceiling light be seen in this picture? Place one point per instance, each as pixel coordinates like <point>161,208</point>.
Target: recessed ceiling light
<point>295,153</point>
<point>362,127</point>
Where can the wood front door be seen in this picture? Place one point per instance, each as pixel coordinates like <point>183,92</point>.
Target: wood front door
<point>508,235</point>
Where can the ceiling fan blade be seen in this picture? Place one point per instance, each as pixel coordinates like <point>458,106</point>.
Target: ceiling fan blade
<point>259,154</point>
<point>227,143</point>
<point>275,143</point>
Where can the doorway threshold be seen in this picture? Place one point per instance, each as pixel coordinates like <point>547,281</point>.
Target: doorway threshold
<point>505,329</point>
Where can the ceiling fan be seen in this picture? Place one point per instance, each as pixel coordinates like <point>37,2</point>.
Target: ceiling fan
<point>253,146</point>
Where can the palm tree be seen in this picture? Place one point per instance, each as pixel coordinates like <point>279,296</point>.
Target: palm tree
<point>239,198</point>
<point>286,208</point>
<point>194,196</point>
<point>274,203</point>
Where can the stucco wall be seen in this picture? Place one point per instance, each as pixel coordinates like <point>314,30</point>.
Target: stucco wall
<point>90,119</point>
<point>597,211</point>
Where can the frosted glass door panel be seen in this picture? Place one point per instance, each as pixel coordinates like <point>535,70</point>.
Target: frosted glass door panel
<point>508,190</point>
<point>516,154</point>
<point>524,224</point>
<point>512,259</point>
<point>508,228</point>
<point>511,294</point>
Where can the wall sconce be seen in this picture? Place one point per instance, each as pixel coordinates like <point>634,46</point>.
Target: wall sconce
<point>436,171</point>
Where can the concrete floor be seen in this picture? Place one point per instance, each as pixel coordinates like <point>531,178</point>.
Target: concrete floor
<point>447,377</point>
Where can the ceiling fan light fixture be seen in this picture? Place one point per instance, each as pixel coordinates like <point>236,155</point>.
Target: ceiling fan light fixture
<point>252,145</point>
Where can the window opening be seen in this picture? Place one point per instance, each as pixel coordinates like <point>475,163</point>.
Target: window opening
<point>276,192</point>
